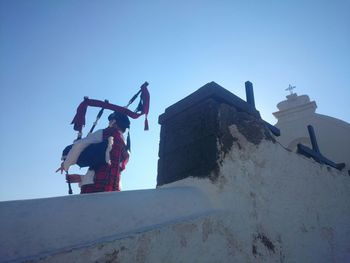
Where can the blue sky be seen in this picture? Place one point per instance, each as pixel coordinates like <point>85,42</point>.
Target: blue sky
<point>53,53</point>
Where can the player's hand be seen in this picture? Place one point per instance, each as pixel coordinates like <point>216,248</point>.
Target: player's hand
<point>60,168</point>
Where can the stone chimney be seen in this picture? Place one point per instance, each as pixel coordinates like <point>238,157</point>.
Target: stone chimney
<point>195,133</point>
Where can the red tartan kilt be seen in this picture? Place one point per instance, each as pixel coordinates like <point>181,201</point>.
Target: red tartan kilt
<point>106,180</point>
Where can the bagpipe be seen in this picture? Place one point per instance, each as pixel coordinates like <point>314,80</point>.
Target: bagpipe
<point>93,155</point>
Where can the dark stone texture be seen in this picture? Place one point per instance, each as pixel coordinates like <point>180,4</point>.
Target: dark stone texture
<point>188,144</point>
<point>253,129</point>
<point>210,90</point>
<point>195,133</point>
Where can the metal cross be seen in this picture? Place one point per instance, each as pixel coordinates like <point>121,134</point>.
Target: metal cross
<point>290,89</point>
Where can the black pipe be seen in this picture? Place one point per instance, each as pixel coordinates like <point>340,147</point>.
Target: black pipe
<point>249,93</point>
<point>70,191</point>
<point>313,138</point>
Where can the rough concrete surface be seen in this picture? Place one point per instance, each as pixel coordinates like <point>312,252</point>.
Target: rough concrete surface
<point>271,205</point>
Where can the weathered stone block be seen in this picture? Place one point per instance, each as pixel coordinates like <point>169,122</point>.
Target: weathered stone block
<point>195,133</point>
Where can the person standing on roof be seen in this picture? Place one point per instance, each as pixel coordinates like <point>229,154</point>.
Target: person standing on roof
<point>102,176</point>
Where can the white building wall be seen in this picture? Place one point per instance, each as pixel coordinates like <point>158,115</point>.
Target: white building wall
<point>268,205</point>
<point>333,135</point>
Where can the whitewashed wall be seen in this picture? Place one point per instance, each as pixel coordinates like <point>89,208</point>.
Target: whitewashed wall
<point>268,205</point>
